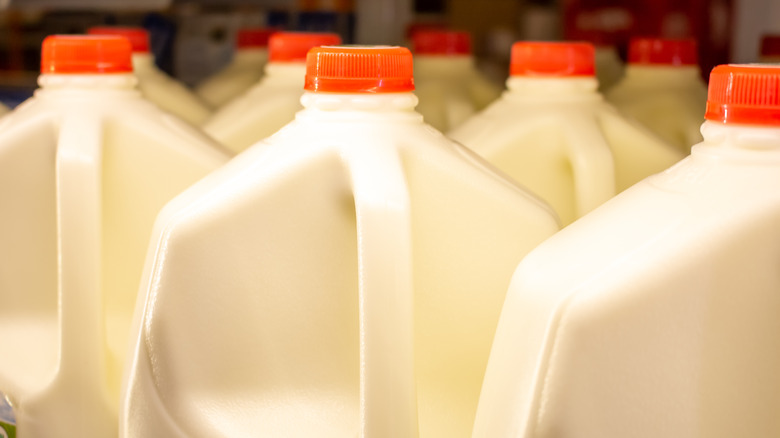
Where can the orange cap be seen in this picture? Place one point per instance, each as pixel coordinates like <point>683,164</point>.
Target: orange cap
<point>253,37</point>
<point>86,54</point>
<point>552,59</point>
<point>660,51</point>
<point>745,94</point>
<point>293,46</point>
<point>138,36</point>
<point>770,45</point>
<point>441,42</point>
<point>359,69</point>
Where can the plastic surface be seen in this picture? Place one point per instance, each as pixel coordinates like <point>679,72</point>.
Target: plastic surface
<point>293,46</point>
<point>661,304</point>
<point>667,98</point>
<point>355,69</point>
<point>558,137</point>
<point>85,166</point>
<point>253,37</point>
<point>342,278</point>
<point>243,71</point>
<point>441,42</point>
<point>80,54</point>
<point>273,101</point>
<point>563,59</point>
<point>744,94</point>
<point>449,85</point>
<point>661,51</point>
<point>138,36</point>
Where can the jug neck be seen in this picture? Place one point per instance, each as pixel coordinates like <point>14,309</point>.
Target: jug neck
<point>443,65</point>
<point>87,82</point>
<point>143,62</point>
<point>351,107</point>
<point>739,140</point>
<point>650,75</point>
<point>547,89</point>
<point>287,72</point>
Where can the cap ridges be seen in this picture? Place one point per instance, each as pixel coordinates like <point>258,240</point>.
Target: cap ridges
<point>359,69</point>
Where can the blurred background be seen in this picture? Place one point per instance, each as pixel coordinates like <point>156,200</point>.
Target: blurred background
<point>192,39</point>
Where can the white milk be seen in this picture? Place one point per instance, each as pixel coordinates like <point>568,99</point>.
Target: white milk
<point>155,85</point>
<point>447,82</point>
<point>342,278</point>
<point>85,166</point>
<point>553,132</point>
<point>273,101</point>
<point>663,89</point>
<point>244,70</point>
<point>656,314</point>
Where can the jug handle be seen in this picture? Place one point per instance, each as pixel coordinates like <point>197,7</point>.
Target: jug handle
<point>592,164</point>
<point>82,358</point>
<point>388,401</point>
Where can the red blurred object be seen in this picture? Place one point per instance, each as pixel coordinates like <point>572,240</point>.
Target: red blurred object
<point>552,59</point>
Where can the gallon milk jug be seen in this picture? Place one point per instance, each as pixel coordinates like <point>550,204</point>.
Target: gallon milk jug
<point>656,314</point>
<point>553,132</point>
<point>447,82</point>
<point>770,49</point>
<point>273,101</point>
<point>244,70</point>
<point>663,89</point>
<point>342,278</point>
<point>156,86</point>
<point>85,166</point>
<point>609,66</point>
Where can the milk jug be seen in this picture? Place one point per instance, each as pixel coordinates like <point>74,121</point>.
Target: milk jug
<point>447,82</point>
<point>609,66</point>
<point>770,49</point>
<point>553,132</point>
<point>85,165</point>
<point>244,70</point>
<point>656,314</point>
<point>341,278</point>
<point>273,101</point>
<point>663,89</point>
<point>4,109</point>
<point>156,86</point>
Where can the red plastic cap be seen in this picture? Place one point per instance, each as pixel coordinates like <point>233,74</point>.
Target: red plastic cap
<point>441,42</point>
<point>744,94</point>
<point>659,51</point>
<point>253,37</point>
<point>770,45</point>
<point>86,54</point>
<point>293,46</point>
<point>531,58</point>
<point>356,69</point>
<point>419,26</point>
<point>138,36</point>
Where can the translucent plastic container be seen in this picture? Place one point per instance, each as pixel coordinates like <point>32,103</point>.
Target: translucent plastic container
<point>553,132</point>
<point>447,82</point>
<point>85,166</point>
<point>663,89</point>
<point>273,101</point>
<point>341,278</point>
<point>656,314</point>
<point>244,70</point>
<point>155,85</point>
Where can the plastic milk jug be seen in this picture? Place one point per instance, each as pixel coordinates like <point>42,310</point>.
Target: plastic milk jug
<point>663,89</point>
<point>242,72</point>
<point>342,278</point>
<point>273,101</point>
<point>770,49</point>
<point>554,133</point>
<point>85,166</point>
<point>447,82</point>
<point>4,109</point>
<point>656,314</point>
<point>156,86</point>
